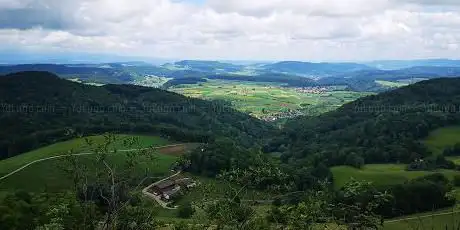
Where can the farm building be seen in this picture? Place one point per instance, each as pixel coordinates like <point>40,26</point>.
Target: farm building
<point>170,188</point>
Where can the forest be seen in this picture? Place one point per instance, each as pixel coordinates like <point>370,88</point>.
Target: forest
<point>39,108</point>
<point>381,128</point>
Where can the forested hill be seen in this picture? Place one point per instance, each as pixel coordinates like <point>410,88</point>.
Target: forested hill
<point>377,129</point>
<point>39,108</point>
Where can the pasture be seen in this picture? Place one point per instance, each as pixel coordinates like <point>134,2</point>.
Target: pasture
<point>437,220</point>
<point>442,138</point>
<point>50,175</point>
<point>391,84</point>
<point>381,174</point>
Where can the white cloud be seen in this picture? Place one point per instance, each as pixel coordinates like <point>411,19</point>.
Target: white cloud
<point>235,29</point>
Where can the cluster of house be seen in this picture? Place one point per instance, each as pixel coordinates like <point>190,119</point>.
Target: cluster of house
<point>314,90</point>
<point>171,188</point>
<point>286,114</point>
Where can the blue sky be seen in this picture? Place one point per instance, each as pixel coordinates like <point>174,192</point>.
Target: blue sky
<point>316,30</point>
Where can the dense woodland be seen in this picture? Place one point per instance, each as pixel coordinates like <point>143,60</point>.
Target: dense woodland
<point>377,129</point>
<point>39,108</point>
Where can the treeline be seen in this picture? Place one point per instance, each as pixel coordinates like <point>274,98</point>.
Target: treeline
<point>378,129</point>
<point>452,151</point>
<point>251,168</point>
<point>423,194</point>
<point>38,108</point>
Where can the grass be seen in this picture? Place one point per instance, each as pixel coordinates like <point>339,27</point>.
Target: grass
<point>381,174</point>
<point>50,176</point>
<point>429,220</point>
<point>442,138</point>
<point>391,84</point>
<point>266,99</point>
<point>78,145</point>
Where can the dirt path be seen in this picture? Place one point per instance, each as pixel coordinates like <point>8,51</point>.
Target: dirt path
<point>421,217</point>
<point>82,154</point>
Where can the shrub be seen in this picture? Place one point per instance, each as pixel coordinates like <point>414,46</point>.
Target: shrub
<point>186,211</point>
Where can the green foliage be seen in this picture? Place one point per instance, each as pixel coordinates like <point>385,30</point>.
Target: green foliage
<point>382,128</point>
<point>185,211</point>
<point>58,109</point>
<point>357,204</point>
<point>452,151</point>
<point>22,210</point>
<point>457,180</point>
<point>422,194</point>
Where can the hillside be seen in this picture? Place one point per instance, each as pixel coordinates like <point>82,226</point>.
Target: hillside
<point>315,69</point>
<point>39,108</point>
<point>382,128</point>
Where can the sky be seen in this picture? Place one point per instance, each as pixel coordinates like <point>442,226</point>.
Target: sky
<point>315,30</point>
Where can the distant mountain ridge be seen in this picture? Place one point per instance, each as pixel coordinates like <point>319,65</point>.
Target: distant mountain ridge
<point>403,64</point>
<point>315,69</point>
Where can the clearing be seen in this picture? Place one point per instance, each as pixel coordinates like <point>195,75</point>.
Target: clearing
<point>442,138</point>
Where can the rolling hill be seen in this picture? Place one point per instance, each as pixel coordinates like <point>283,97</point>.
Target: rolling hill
<point>315,69</point>
<point>39,108</point>
<point>382,128</point>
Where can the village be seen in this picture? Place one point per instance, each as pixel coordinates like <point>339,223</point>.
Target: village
<point>313,90</point>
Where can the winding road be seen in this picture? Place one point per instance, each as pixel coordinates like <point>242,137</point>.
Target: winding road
<point>76,154</point>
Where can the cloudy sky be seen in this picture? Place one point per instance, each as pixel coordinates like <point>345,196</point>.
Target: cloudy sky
<point>235,29</point>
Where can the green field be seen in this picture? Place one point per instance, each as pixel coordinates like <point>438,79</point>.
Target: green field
<point>381,174</point>
<point>265,99</point>
<point>49,175</point>
<point>78,145</point>
<point>437,220</point>
<point>391,84</point>
<point>442,138</point>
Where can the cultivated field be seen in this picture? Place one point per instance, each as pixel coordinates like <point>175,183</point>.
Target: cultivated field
<point>392,84</point>
<point>268,99</point>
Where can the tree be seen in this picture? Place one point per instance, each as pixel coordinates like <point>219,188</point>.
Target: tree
<point>186,211</point>
<point>457,180</point>
<point>109,184</point>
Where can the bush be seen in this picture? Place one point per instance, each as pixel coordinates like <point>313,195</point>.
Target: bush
<point>186,211</point>
<point>457,180</point>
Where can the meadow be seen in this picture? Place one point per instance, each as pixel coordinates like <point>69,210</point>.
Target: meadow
<point>442,138</point>
<point>267,99</point>
<point>381,174</point>
<point>50,175</point>
<point>436,220</point>
<point>391,84</point>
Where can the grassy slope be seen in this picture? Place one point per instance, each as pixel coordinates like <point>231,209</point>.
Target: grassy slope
<point>436,142</point>
<point>381,174</point>
<point>49,175</point>
<point>452,221</point>
<point>441,138</point>
<point>387,174</point>
<point>78,145</point>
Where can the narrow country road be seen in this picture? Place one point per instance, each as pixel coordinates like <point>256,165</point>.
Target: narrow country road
<point>421,217</point>
<point>76,154</point>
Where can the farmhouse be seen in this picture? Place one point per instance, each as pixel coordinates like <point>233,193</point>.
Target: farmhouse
<point>168,189</point>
